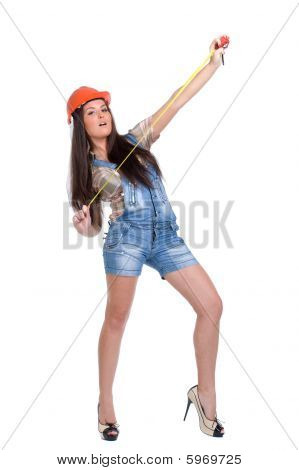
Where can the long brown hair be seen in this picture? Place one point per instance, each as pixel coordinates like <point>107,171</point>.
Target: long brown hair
<point>81,190</point>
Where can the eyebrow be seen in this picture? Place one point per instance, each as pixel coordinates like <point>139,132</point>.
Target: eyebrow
<point>92,107</point>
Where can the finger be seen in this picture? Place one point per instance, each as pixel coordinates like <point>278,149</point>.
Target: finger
<point>85,209</point>
<point>78,216</point>
<point>213,44</point>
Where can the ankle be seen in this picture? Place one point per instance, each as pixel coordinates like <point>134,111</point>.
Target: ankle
<point>206,390</point>
<point>106,399</point>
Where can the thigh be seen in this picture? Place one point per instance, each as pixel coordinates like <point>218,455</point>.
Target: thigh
<point>120,292</point>
<point>194,283</point>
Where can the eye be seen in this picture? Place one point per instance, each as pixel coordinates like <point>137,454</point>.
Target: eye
<point>104,109</point>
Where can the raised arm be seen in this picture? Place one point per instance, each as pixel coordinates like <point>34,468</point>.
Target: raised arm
<point>191,89</point>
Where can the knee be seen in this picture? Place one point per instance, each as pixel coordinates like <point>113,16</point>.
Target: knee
<point>116,318</point>
<point>213,311</point>
<point>218,308</point>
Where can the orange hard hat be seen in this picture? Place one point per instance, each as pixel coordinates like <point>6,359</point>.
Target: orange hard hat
<point>81,96</point>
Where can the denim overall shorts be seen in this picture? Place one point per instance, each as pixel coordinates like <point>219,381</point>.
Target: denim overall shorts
<point>146,232</point>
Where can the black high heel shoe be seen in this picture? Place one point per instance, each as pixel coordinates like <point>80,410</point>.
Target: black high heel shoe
<point>207,426</point>
<point>105,429</point>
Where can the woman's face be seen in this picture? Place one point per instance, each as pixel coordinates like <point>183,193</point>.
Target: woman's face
<point>95,113</point>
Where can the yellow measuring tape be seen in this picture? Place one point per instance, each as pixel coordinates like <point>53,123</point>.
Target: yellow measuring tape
<point>159,117</point>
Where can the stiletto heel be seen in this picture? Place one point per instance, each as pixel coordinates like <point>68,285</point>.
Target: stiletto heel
<point>188,404</point>
<point>207,426</point>
<point>105,429</point>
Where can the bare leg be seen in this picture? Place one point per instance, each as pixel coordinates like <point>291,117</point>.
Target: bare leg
<point>196,286</point>
<point>121,290</point>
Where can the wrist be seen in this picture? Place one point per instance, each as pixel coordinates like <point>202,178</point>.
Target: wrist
<point>214,66</point>
<point>92,231</point>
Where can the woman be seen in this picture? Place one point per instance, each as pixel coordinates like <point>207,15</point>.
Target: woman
<point>142,230</point>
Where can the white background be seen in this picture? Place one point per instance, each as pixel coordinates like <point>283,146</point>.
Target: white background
<point>53,298</point>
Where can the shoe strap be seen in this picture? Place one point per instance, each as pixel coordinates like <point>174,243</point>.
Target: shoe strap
<point>110,426</point>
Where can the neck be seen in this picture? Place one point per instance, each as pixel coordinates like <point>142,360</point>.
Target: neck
<point>99,148</point>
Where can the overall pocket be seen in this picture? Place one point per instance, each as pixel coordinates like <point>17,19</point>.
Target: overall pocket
<point>132,193</point>
<point>175,239</point>
<point>115,234</point>
<point>160,188</point>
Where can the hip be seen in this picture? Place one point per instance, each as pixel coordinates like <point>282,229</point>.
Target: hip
<point>141,233</point>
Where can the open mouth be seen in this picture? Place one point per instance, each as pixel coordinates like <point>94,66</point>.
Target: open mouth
<point>103,124</point>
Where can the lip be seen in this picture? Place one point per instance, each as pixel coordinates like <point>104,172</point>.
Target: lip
<point>103,123</point>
